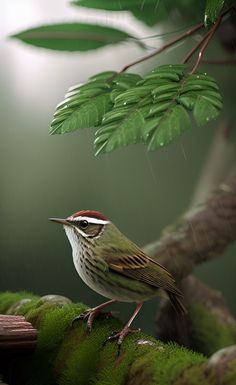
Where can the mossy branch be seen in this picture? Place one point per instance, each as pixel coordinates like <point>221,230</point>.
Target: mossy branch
<point>66,356</point>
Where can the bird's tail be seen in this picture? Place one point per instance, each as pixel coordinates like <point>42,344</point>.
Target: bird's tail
<point>177,303</point>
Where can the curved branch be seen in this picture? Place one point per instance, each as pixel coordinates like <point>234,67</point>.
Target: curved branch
<point>201,235</point>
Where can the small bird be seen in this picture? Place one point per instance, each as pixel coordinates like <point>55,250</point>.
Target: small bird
<point>115,267</point>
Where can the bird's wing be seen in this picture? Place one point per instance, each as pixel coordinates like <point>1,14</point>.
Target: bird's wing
<point>142,268</point>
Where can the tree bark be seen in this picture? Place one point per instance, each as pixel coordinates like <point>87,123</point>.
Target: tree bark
<point>200,235</point>
<point>16,334</point>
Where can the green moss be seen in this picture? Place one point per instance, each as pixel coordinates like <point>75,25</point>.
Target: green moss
<point>206,332</point>
<point>66,356</point>
<point>56,322</point>
<point>27,307</point>
<point>79,355</point>
<point>230,377</point>
<point>195,376</point>
<point>141,372</point>
<point>114,370</point>
<point>139,364</point>
<point>170,363</point>
<point>7,299</point>
<point>53,322</point>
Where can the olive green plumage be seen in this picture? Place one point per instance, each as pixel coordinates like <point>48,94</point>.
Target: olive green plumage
<point>115,267</point>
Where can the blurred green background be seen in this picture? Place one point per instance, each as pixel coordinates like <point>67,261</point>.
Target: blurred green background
<point>46,176</point>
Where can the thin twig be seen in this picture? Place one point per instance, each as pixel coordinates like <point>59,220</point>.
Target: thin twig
<point>176,40</point>
<point>195,48</point>
<point>205,44</point>
<point>164,47</point>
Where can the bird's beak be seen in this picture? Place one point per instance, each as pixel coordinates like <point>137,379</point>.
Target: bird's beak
<point>61,221</point>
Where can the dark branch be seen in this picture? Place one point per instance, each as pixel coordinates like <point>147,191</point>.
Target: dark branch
<point>205,44</point>
<point>195,48</point>
<point>183,36</point>
<point>164,47</point>
<point>201,235</point>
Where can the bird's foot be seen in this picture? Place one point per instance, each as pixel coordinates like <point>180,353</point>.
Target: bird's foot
<point>90,315</point>
<point>120,336</point>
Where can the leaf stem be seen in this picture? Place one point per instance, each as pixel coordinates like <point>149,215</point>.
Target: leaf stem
<point>205,44</point>
<point>164,47</point>
<point>183,36</point>
<point>195,48</point>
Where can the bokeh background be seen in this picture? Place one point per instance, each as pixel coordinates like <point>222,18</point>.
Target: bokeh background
<point>46,176</point>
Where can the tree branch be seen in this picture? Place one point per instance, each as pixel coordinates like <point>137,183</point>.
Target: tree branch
<point>16,333</point>
<point>205,44</point>
<point>183,36</point>
<point>209,325</point>
<point>72,355</point>
<point>219,159</point>
<point>201,235</point>
<point>164,47</point>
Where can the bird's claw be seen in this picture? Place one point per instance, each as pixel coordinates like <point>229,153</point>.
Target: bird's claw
<point>90,315</point>
<point>120,336</point>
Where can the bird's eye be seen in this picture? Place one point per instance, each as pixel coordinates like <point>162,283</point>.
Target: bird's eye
<point>83,224</point>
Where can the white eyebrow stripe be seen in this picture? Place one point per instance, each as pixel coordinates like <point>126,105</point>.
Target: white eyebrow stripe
<point>90,220</point>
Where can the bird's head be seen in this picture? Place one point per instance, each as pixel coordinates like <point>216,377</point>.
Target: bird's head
<point>83,225</point>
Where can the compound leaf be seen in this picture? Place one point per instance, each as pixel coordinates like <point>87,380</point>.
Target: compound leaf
<point>85,105</point>
<point>127,109</point>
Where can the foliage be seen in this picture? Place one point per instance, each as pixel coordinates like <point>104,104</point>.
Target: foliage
<point>212,10</point>
<point>72,37</point>
<point>149,12</point>
<point>125,108</point>
<point>84,106</point>
<point>153,110</point>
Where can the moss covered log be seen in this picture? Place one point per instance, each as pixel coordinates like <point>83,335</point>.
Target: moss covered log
<point>68,356</point>
<point>210,325</point>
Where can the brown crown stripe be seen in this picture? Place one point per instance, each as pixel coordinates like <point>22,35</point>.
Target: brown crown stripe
<point>91,214</point>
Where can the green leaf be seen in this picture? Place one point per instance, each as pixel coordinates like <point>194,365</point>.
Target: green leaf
<point>149,12</point>
<point>89,115</point>
<point>85,105</point>
<point>127,109</point>
<point>72,37</point>
<point>120,132</point>
<point>114,5</point>
<point>212,10</point>
<point>173,123</point>
<point>204,110</point>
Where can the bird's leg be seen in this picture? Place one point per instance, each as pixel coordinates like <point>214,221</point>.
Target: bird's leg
<point>91,314</point>
<point>120,336</point>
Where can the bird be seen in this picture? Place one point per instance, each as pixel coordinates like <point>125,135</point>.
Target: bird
<point>115,267</point>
